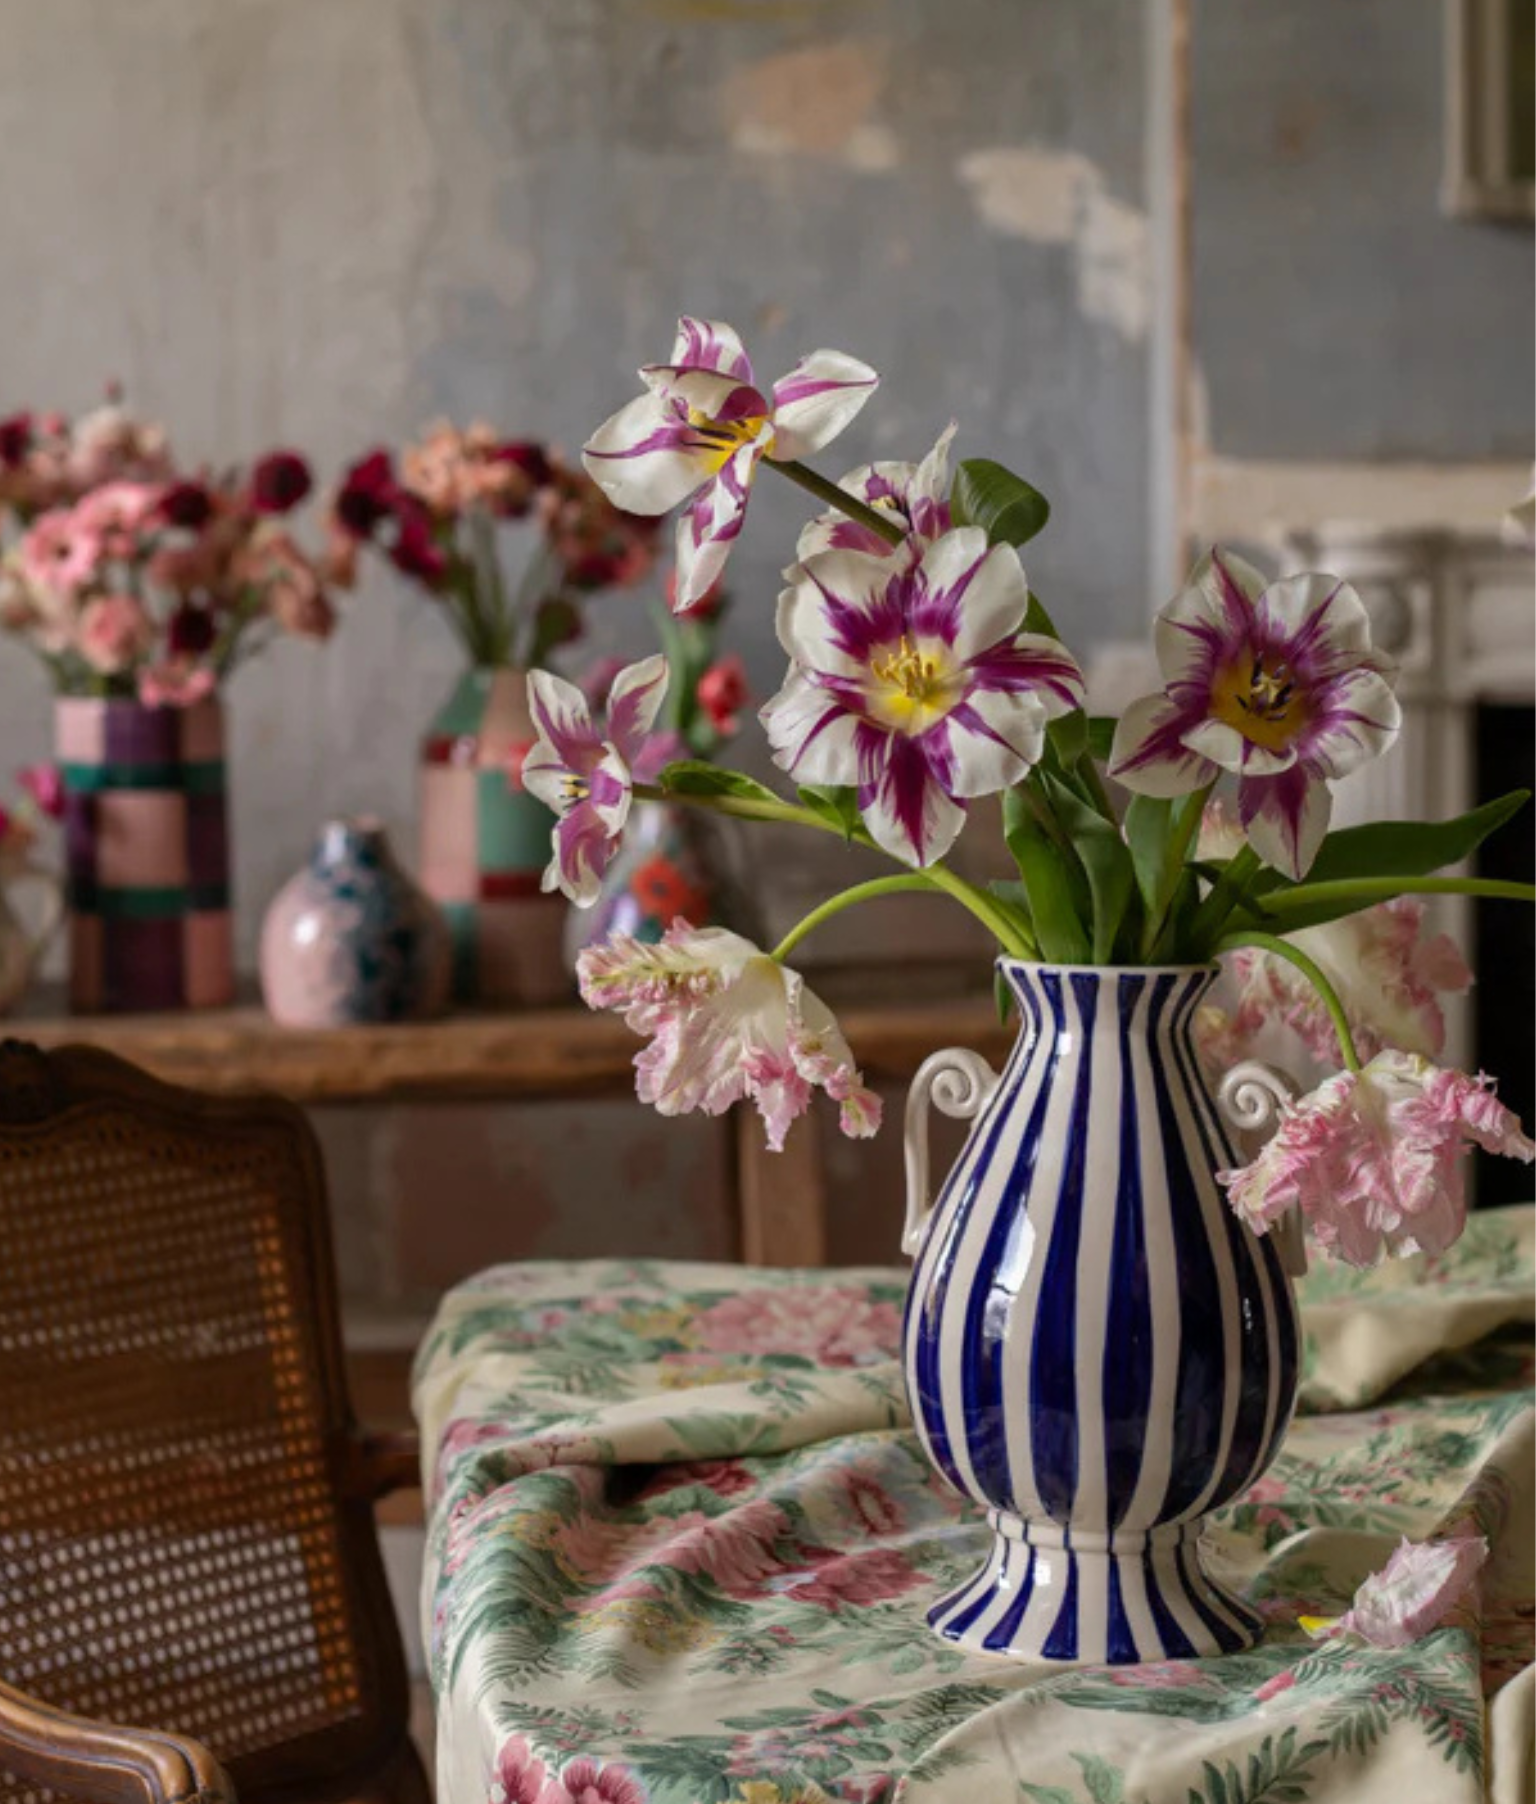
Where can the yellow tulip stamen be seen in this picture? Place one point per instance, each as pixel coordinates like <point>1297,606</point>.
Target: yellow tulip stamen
<point>1260,698</point>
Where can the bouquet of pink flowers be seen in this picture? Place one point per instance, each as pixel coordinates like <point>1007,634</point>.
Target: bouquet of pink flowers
<point>924,674</point>
<point>440,520</point>
<point>131,577</point>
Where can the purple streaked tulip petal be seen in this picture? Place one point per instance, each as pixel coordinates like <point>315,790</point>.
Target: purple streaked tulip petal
<point>816,400</point>
<point>1225,746</point>
<point>1149,755</point>
<point>840,604</point>
<point>1285,818</point>
<point>561,717</point>
<point>970,594</point>
<point>709,527</point>
<point>710,344</point>
<point>994,739</point>
<point>907,813</point>
<point>634,700</point>
<point>812,733</point>
<point>704,393</point>
<point>1033,661</point>
<point>1361,720</point>
<point>644,459</point>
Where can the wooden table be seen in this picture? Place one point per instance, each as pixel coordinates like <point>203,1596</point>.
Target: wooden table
<point>528,1056</point>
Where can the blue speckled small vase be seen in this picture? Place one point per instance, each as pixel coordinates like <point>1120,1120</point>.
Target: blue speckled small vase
<point>1097,1349</point>
<point>351,938</point>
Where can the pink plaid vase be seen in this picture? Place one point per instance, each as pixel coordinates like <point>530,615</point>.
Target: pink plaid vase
<point>146,838</point>
<point>485,842</point>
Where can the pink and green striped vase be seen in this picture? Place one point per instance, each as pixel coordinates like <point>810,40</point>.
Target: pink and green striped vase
<point>146,836</point>
<point>485,842</point>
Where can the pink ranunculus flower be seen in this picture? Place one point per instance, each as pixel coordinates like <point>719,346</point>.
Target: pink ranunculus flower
<point>587,1781</point>
<point>835,1326</point>
<point>177,683</point>
<point>726,1022</point>
<point>586,774</point>
<point>114,633</point>
<point>1414,1592</point>
<point>57,555</point>
<point>701,428</point>
<point>120,516</point>
<point>916,497</point>
<point>1277,685</point>
<point>1373,1158</point>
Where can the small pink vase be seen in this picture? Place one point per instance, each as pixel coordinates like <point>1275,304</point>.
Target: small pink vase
<point>351,938</point>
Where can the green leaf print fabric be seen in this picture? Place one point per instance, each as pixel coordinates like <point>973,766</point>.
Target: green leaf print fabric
<point>682,1540</point>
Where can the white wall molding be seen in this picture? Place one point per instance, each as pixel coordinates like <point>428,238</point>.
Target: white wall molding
<point>1257,499</point>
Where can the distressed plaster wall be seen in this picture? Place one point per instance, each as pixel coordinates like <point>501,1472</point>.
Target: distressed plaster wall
<point>323,222</point>
<point>326,223</point>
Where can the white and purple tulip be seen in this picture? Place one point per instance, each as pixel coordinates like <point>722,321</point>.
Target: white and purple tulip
<point>913,682</point>
<point>703,424</point>
<point>1278,685</point>
<point>586,775</point>
<point>916,497</point>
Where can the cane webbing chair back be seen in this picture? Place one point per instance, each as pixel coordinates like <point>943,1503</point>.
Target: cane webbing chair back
<point>186,1528</point>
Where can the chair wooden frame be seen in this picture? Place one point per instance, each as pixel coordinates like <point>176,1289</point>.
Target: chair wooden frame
<point>369,1755</point>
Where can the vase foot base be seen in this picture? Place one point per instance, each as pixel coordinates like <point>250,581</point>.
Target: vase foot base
<point>1117,1601</point>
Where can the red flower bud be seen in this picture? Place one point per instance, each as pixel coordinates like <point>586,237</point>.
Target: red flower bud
<point>528,456</point>
<point>15,439</point>
<point>368,494</point>
<point>722,691</point>
<point>416,552</point>
<point>185,504</point>
<point>190,631</point>
<point>280,481</point>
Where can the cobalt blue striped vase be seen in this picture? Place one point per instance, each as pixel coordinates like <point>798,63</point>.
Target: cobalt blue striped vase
<point>1096,1348</point>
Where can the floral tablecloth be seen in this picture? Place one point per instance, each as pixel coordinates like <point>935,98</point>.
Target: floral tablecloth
<point>682,1540</point>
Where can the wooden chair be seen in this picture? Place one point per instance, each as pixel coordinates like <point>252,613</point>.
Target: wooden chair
<point>186,1522</point>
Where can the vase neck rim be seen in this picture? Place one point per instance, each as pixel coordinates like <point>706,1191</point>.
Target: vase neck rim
<point>1027,967</point>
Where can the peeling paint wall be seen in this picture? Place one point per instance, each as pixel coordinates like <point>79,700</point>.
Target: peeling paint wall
<point>324,224</point>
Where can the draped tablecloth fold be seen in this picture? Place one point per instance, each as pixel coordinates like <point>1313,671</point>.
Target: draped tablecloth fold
<point>682,1540</point>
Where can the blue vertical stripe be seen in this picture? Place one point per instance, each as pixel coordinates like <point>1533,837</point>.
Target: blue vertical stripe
<point>995,1281</point>
<point>1061,1643</point>
<point>1128,1329</point>
<point>1200,1389</point>
<point>1053,1357</point>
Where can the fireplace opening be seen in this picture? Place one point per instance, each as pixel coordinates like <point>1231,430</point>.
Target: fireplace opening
<point>1504,997</point>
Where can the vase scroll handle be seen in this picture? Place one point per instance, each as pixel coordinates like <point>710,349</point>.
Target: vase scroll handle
<point>959,1084</point>
<point>1251,1096</point>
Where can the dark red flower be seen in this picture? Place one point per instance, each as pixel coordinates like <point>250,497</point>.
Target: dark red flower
<point>190,631</point>
<point>15,439</point>
<point>368,494</point>
<point>594,570</point>
<point>185,504</point>
<point>415,551</point>
<point>528,456</point>
<point>280,481</point>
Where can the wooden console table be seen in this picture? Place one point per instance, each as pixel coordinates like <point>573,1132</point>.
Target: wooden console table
<point>523,1056</point>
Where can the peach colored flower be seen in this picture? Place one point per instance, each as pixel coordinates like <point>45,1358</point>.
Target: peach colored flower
<point>273,564</point>
<point>58,555</point>
<point>866,1576</point>
<point>588,1782</point>
<point>114,633</point>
